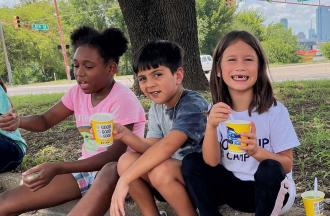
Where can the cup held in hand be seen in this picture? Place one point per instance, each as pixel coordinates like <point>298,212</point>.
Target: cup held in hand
<point>102,126</point>
<point>234,128</point>
<point>31,177</point>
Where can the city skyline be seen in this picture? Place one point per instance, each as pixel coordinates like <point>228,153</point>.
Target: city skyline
<point>323,26</point>
<point>299,17</point>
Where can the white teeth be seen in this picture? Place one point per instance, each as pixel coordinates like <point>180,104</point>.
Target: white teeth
<point>240,77</point>
<point>154,93</point>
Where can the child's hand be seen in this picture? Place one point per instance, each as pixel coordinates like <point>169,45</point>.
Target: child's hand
<point>39,176</point>
<point>250,139</point>
<point>92,136</point>
<point>219,113</point>
<point>118,199</point>
<point>118,131</point>
<point>9,121</point>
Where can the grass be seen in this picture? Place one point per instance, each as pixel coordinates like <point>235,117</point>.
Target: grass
<point>307,101</point>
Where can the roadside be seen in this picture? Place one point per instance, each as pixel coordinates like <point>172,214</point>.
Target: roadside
<point>278,74</point>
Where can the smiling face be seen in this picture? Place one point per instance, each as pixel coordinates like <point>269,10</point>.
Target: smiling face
<point>239,67</point>
<point>92,74</point>
<point>160,85</point>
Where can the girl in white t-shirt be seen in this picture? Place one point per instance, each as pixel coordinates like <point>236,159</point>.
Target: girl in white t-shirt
<point>260,179</point>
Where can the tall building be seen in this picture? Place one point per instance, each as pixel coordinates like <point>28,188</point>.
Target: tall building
<point>311,33</point>
<point>301,37</point>
<point>322,23</point>
<point>284,22</point>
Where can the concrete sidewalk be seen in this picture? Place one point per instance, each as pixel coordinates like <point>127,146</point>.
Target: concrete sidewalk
<point>11,180</point>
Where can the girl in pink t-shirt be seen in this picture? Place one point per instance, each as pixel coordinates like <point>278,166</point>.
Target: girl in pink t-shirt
<point>95,60</point>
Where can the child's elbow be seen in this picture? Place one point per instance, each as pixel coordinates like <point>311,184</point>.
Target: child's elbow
<point>211,162</point>
<point>288,167</point>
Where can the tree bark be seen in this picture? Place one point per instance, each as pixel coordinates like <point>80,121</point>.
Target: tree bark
<point>173,20</point>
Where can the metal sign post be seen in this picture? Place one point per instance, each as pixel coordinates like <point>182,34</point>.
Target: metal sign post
<point>10,77</point>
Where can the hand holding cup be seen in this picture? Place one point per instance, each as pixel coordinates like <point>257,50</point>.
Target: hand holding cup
<point>102,128</point>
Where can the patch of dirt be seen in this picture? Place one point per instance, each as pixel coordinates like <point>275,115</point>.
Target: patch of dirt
<point>66,141</point>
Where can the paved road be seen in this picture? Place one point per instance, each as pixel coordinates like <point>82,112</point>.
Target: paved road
<point>301,72</point>
<point>56,88</point>
<point>283,73</point>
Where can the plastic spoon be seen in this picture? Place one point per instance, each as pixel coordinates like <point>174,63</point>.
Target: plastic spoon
<point>315,187</point>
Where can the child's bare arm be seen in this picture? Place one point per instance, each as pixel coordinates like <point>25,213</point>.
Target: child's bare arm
<point>43,122</point>
<point>211,148</point>
<point>154,155</point>
<point>137,143</point>
<point>47,171</point>
<point>285,158</point>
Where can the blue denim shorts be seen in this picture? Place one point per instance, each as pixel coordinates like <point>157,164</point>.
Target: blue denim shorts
<point>10,153</point>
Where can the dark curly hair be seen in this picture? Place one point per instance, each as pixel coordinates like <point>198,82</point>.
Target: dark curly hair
<point>111,43</point>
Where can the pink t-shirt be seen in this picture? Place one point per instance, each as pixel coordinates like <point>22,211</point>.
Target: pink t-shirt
<point>121,102</point>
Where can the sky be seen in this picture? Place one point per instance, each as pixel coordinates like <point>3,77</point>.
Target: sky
<point>300,18</point>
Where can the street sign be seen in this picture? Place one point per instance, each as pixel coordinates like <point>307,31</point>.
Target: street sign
<point>40,27</point>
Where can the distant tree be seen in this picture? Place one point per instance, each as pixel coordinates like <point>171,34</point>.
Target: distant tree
<point>214,20</point>
<point>33,54</point>
<point>99,14</point>
<point>325,49</point>
<point>280,44</point>
<point>30,1</point>
<point>173,20</point>
<point>85,12</point>
<point>251,21</point>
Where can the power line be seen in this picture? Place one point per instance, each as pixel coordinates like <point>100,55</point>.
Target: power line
<point>299,2</point>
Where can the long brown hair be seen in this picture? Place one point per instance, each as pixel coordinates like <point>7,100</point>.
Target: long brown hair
<point>263,97</point>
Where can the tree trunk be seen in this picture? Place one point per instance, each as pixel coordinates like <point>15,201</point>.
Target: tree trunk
<point>167,19</point>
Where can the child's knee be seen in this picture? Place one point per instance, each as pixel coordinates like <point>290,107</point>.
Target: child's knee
<point>126,160</point>
<point>164,173</point>
<point>269,171</point>
<point>109,170</point>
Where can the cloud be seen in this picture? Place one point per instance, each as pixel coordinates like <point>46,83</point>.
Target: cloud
<point>299,16</point>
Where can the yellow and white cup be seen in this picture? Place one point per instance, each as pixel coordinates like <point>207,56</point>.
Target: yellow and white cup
<point>313,203</point>
<point>234,128</point>
<point>102,126</point>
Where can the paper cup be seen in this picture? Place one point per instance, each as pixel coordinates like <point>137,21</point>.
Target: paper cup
<point>102,126</point>
<point>313,203</point>
<point>234,128</point>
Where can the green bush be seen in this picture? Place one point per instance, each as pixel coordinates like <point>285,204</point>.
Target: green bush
<point>325,49</point>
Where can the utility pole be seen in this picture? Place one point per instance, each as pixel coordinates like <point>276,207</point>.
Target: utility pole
<point>59,28</point>
<point>10,77</point>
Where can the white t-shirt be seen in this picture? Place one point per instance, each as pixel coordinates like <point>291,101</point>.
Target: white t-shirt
<point>275,133</point>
